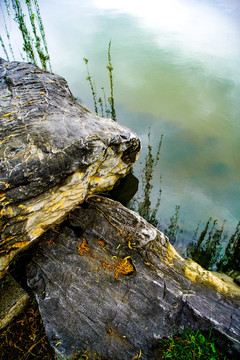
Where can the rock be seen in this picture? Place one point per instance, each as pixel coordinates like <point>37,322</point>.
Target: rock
<point>13,300</point>
<point>54,153</point>
<point>108,282</point>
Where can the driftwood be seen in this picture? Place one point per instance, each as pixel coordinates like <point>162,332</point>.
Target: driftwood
<point>53,153</point>
<point>108,282</point>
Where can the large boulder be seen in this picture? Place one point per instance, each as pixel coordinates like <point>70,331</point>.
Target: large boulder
<point>54,153</point>
<point>108,282</point>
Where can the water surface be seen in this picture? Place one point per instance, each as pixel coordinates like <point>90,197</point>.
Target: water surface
<point>176,70</point>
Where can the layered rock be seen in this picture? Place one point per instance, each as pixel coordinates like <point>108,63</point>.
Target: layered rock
<point>13,300</point>
<point>108,282</point>
<point>54,153</point>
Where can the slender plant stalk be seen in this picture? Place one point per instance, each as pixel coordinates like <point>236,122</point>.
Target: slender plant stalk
<point>4,48</point>
<point>101,105</point>
<point>157,158</point>
<point>7,4</point>
<point>110,70</point>
<point>107,111</point>
<point>6,29</point>
<point>92,85</point>
<point>173,228</point>
<point>32,46</point>
<point>158,203</point>
<point>42,32</point>
<point>27,40</point>
<point>43,58</point>
<point>144,205</point>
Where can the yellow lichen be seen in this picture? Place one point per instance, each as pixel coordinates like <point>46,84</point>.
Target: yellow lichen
<point>5,184</point>
<point>197,274</point>
<point>20,244</point>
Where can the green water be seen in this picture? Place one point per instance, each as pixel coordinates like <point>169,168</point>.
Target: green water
<point>176,70</point>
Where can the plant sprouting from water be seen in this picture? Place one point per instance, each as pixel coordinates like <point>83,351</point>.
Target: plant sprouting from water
<point>143,207</point>
<point>34,39</point>
<point>92,86</point>
<point>103,102</point>
<point>208,241</point>
<point>4,48</point>
<point>172,230</point>
<point>207,247</point>
<point>231,258</point>
<point>110,70</point>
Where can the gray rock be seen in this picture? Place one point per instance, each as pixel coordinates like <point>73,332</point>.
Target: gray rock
<point>13,300</point>
<point>108,282</point>
<point>53,153</point>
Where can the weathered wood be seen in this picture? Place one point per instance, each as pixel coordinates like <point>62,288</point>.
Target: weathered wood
<point>109,282</point>
<point>53,154</point>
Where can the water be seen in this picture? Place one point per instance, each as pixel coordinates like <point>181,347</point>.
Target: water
<point>176,70</point>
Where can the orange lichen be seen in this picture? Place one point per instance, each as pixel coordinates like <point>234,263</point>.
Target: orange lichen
<point>122,266</point>
<point>106,265</point>
<point>83,248</point>
<point>100,243</point>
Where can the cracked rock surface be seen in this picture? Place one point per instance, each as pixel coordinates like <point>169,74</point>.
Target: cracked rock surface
<point>53,153</point>
<point>108,282</point>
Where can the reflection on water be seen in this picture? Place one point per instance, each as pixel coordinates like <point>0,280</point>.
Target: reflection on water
<point>176,69</point>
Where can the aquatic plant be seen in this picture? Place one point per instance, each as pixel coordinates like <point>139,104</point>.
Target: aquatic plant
<point>173,228</point>
<point>231,258</point>
<point>7,32</point>
<point>206,248</point>
<point>42,32</point>
<point>4,48</point>
<point>109,112</point>
<point>43,58</point>
<point>92,86</point>
<point>110,70</point>
<point>143,205</point>
<point>208,241</point>
<point>34,40</point>
<point>26,36</point>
